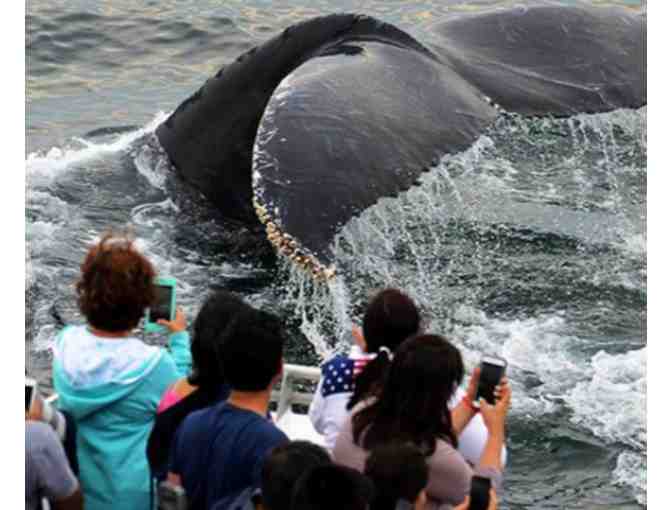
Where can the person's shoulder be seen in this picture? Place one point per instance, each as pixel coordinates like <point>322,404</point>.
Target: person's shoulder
<point>338,376</point>
<point>38,431</point>
<point>40,437</point>
<point>196,422</point>
<point>266,429</point>
<point>335,362</point>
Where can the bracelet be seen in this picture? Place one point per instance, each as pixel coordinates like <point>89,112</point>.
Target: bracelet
<point>470,405</point>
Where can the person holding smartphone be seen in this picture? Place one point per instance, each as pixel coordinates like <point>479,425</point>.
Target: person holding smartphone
<point>424,375</point>
<point>111,382</point>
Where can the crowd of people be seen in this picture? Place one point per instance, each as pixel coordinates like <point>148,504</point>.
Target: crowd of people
<point>188,424</point>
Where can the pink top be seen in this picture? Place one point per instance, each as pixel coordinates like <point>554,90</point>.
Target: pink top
<point>170,398</point>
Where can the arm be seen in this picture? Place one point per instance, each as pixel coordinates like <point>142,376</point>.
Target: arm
<point>43,411</point>
<point>51,466</point>
<point>316,409</point>
<point>463,412</point>
<point>494,418</point>
<point>180,351</point>
<point>179,343</point>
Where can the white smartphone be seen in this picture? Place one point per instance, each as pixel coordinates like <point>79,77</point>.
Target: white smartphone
<point>31,392</point>
<point>492,371</point>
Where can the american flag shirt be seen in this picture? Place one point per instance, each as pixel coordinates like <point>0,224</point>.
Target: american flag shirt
<point>328,408</point>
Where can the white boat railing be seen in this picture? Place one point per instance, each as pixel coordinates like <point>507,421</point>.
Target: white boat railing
<point>287,395</point>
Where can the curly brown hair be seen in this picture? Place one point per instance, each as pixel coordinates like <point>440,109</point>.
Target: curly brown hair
<point>116,284</point>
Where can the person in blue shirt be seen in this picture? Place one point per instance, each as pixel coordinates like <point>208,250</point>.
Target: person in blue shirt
<point>111,382</point>
<point>219,451</point>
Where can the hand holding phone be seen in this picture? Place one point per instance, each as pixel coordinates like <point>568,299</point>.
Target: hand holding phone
<point>491,372</point>
<point>479,497</point>
<point>163,308</point>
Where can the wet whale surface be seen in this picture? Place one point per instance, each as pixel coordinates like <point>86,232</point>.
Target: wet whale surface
<point>317,124</point>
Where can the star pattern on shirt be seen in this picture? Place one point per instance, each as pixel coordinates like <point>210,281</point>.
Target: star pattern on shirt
<point>338,376</point>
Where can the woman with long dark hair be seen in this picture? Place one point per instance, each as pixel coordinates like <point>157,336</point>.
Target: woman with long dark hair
<point>411,407</point>
<point>205,385</point>
<point>390,318</point>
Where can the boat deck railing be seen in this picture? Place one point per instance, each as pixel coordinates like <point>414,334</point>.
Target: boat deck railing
<point>287,395</point>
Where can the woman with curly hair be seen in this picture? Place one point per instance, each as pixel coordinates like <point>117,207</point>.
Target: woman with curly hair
<point>110,381</point>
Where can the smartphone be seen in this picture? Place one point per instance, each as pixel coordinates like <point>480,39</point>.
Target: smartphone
<point>172,497</point>
<point>31,392</point>
<point>480,493</point>
<point>492,371</point>
<point>164,305</point>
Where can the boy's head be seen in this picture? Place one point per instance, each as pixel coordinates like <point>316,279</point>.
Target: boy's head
<point>218,310</point>
<point>283,467</point>
<point>332,488</point>
<point>250,355</point>
<point>399,472</point>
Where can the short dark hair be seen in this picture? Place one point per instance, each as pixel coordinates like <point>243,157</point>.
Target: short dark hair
<point>390,318</point>
<point>283,467</point>
<point>398,471</point>
<point>332,488</point>
<point>250,353</point>
<point>116,284</point>
<point>212,320</point>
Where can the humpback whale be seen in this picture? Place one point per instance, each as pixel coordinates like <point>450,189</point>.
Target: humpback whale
<point>314,126</point>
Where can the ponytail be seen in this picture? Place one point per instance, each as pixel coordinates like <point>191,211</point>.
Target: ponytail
<point>371,379</point>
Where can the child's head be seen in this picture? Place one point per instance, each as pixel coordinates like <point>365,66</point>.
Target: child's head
<point>250,354</point>
<point>283,467</point>
<point>399,472</point>
<point>390,318</point>
<point>332,488</point>
<point>212,320</point>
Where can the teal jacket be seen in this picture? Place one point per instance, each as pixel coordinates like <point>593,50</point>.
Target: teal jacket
<point>112,387</point>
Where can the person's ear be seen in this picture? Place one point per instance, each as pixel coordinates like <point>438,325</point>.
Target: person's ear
<point>281,370</point>
<point>420,501</point>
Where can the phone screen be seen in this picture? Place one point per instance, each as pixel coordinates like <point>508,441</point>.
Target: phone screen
<point>480,493</point>
<point>161,308</point>
<point>490,376</point>
<point>29,395</point>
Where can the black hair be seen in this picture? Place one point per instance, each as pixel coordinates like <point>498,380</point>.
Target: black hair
<point>250,353</point>
<point>283,467</point>
<point>213,318</point>
<point>398,472</point>
<point>390,318</point>
<point>332,488</point>
<point>413,403</point>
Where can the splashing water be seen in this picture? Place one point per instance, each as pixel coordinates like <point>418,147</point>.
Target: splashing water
<point>528,245</point>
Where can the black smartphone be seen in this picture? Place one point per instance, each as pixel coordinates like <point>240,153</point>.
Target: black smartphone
<point>480,493</point>
<point>31,392</point>
<point>492,371</point>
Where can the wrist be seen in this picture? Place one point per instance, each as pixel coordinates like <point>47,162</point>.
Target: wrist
<point>497,433</point>
<point>466,402</point>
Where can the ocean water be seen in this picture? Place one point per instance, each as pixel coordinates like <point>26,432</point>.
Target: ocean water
<point>530,245</point>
